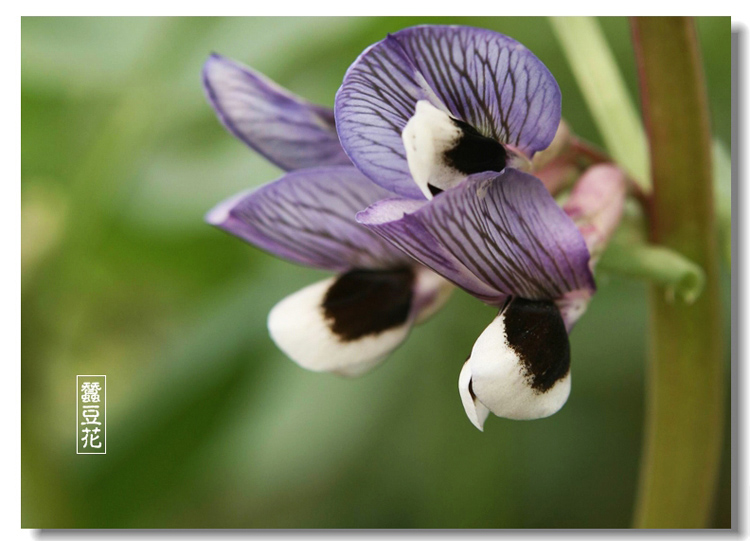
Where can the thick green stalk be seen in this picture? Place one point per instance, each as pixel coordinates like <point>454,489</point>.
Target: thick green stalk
<point>685,376</point>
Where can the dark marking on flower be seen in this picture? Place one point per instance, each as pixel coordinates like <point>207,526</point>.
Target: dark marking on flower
<point>471,390</point>
<point>434,190</point>
<point>368,302</point>
<point>535,330</point>
<point>475,153</point>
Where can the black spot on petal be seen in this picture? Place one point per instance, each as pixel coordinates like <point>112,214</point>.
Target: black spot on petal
<point>368,302</point>
<point>434,190</point>
<point>475,153</point>
<point>536,332</point>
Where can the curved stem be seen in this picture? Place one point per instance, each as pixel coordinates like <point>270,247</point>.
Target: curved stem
<point>684,409</point>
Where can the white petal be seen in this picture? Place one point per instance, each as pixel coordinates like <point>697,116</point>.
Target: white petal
<point>299,327</point>
<point>428,135</point>
<point>503,379</point>
<point>475,410</point>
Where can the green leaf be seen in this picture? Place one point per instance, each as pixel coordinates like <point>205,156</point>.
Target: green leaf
<point>604,90</point>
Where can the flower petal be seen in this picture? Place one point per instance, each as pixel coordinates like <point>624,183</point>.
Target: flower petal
<point>307,217</point>
<point>284,128</point>
<point>596,204</point>
<point>397,220</point>
<point>520,364</point>
<point>349,323</point>
<point>475,410</point>
<point>345,324</point>
<point>495,235</point>
<point>486,79</point>
<point>572,306</point>
<point>442,151</point>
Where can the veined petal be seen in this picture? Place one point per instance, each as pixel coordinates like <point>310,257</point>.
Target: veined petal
<point>519,367</point>
<point>480,77</point>
<point>349,323</point>
<point>289,131</point>
<point>557,147</point>
<point>397,220</point>
<point>494,235</point>
<point>307,217</point>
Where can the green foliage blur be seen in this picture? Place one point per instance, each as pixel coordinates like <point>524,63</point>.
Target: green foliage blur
<point>209,425</point>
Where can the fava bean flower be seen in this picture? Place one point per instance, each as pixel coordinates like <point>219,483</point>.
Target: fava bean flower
<point>430,145</point>
<point>429,105</point>
<point>348,323</point>
<point>444,116</point>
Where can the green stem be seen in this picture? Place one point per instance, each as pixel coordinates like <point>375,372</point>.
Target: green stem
<point>680,277</point>
<point>723,192</point>
<point>684,395</point>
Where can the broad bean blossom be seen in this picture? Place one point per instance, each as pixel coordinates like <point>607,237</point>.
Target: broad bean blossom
<point>430,145</point>
<point>348,323</point>
<point>447,117</point>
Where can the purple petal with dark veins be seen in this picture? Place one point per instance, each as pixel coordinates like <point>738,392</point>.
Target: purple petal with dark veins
<point>486,79</point>
<point>494,235</point>
<point>287,130</point>
<point>396,220</point>
<point>307,217</point>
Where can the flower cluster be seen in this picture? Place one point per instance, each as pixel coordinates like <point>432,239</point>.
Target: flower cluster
<point>419,180</point>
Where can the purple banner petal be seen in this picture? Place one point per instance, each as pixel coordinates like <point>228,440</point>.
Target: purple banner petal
<point>307,217</point>
<point>495,235</point>
<point>287,130</point>
<point>486,79</point>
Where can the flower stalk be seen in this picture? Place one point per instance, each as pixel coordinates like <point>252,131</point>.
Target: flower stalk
<point>680,277</point>
<point>685,384</point>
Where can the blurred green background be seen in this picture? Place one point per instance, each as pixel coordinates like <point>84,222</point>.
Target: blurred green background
<point>209,425</point>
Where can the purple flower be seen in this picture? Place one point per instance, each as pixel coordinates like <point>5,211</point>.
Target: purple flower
<point>502,238</point>
<point>348,323</point>
<point>432,104</point>
<point>443,116</point>
<point>435,128</point>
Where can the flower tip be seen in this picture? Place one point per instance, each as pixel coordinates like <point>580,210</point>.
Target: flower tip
<point>212,59</point>
<point>475,410</point>
<point>388,210</point>
<point>220,213</point>
<point>479,423</point>
<point>216,216</point>
<point>363,216</point>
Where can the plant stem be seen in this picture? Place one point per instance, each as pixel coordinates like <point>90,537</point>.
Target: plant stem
<point>684,395</point>
<point>681,277</point>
